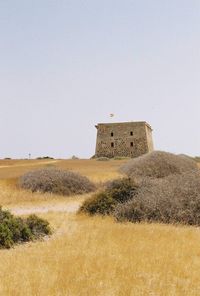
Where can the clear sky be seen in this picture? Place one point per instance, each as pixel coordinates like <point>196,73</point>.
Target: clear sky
<point>65,65</point>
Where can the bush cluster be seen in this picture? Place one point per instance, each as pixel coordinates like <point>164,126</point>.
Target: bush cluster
<point>174,199</point>
<point>158,164</point>
<point>104,202</point>
<point>56,181</point>
<point>17,230</point>
<point>167,191</point>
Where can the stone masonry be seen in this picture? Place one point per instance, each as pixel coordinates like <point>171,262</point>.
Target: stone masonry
<point>123,139</point>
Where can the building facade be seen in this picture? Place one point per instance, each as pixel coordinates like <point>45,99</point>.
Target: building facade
<point>123,139</point>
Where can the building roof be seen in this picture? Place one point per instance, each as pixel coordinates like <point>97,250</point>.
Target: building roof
<point>124,123</point>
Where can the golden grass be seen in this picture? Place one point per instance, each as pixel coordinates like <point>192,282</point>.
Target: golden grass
<point>12,196</point>
<point>97,171</point>
<point>95,256</point>
<point>11,170</point>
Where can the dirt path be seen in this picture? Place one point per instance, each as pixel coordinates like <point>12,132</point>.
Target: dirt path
<point>26,210</point>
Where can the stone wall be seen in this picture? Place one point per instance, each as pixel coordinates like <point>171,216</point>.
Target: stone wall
<point>126,139</point>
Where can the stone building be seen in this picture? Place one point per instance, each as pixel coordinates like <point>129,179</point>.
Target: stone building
<point>124,139</point>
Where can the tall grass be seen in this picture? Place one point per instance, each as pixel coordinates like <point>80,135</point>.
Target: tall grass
<point>11,194</point>
<point>94,256</point>
<point>96,171</point>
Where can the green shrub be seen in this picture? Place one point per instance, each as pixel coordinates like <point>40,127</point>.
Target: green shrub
<point>158,164</point>
<point>121,190</point>
<point>56,181</point>
<point>6,240</point>
<point>38,226</point>
<point>17,230</point>
<point>117,191</point>
<point>101,203</point>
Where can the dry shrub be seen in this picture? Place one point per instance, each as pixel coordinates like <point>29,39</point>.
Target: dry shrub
<point>102,158</point>
<point>56,181</point>
<point>174,199</point>
<point>158,164</point>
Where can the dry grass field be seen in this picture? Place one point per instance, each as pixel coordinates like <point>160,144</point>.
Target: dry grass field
<point>93,256</point>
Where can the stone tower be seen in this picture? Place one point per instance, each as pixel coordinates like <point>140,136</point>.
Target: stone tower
<point>124,139</point>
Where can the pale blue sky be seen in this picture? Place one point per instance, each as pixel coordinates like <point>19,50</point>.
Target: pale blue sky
<point>66,65</point>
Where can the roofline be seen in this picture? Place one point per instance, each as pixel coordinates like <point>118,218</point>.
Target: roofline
<point>126,122</point>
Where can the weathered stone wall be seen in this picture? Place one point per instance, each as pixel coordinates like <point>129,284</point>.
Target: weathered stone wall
<point>149,137</point>
<point>126,139</point>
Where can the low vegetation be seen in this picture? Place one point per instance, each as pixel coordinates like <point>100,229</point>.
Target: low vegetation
<point>121,158</point>
<point>104,202</point>
<point>160,187</point>
<point>56,181</point>
<point>168,191</point>
<point>95,256</point>
<point>174,199</point>
<point>44,157</point>
<point>118,258</point>
<point>15,230</point>
<point>102,159</point>
<point>158,164</point>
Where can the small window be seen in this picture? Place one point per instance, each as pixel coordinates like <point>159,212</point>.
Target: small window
<point>131,144</point>
<point>112,144</point>
<point>131,133</point>
<point>112,134</point>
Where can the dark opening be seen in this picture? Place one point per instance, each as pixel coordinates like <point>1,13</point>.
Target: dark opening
<point>112,134</point>
<point>131,144</point>
<point>131,133</point>
<point>112,144</point>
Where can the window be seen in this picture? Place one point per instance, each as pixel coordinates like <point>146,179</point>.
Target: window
<point>112,134</point>
<point>112,144</point>
<point>131,133</point>
<point>131,144</point>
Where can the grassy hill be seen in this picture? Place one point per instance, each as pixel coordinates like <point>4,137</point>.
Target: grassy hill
<point>93,256</point>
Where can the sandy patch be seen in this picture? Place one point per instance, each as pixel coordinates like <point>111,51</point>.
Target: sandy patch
<point>25,210</point>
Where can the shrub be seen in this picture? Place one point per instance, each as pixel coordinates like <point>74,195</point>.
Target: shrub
<point>5,236</point>
<point>101,203</point>
<point>102,159</point>
<point>38,226</point>
<point>56,181</point>
<point>17,230</point>
<point>121,158</point>
<point>158,164</point>
<point>74,157</point>
<point>117,191</point>
<point>197,158</point>
<point>44,157</point>
<point>121,190</point>
<point>174,199</point>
